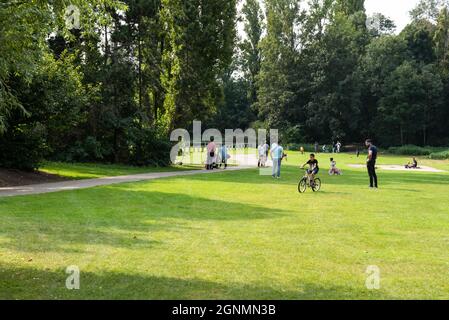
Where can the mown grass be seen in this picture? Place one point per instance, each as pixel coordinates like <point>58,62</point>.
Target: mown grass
<point>96,170</point>
<point>234,235</point>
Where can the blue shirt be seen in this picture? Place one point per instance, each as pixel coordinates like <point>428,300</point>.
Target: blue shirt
<point>278,152</point>
<point>224,152</point>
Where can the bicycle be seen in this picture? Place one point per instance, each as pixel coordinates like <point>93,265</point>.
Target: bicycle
<point>307,183</point>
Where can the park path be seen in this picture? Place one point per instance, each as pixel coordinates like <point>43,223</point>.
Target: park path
<point>89,183</point>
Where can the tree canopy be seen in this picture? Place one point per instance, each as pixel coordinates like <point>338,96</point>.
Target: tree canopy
<point>111,87</point>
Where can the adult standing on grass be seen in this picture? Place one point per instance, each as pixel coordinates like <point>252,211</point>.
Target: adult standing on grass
<point>371,163</point>
<point>211,153</point>
<point>277,153</point>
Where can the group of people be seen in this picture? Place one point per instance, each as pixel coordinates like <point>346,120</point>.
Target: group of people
<point>370,163</point>
<point>218,157</point>
<point>336,147</point>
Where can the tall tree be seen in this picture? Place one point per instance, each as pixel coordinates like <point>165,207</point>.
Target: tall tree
<point>441,40</point>
<point>24,27</point>
<point>350,7</point>
<point>277,81</point>
<point>200,44</point>
<point>250,46</point>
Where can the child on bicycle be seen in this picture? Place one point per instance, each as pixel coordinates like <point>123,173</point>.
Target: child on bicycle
<point>313,168</point>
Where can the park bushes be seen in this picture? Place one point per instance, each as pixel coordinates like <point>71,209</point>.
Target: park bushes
<point>23,147</point>
<point>148,147</point>
<point>296,146</point>
<point>442,155</point>
<point>411,150</point>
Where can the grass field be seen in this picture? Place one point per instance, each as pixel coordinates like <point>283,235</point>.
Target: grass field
<point>95,170</point>
<point>233,235</point>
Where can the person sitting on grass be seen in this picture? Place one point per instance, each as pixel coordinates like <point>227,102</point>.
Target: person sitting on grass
<point>412,165</point>
<point>313,168</point>
<point>334,170</point>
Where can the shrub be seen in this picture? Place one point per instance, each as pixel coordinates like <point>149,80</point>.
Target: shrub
<point>442,155</point>
<point>148,148</point>
<point>90,149</point>
<point>411,150</point>
<point>296,146</point>
<point>23,147</point>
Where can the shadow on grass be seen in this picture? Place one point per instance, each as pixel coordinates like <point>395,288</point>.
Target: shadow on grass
<point>112,216</point>
<point>31,283</point>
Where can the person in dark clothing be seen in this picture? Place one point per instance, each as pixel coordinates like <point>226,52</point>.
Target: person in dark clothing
<point>371,163</point>
<point>413,164</point>
<point>313,168</point>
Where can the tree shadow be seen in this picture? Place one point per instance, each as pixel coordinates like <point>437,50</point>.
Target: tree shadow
<point>112,216</point>
<point>32,283</point>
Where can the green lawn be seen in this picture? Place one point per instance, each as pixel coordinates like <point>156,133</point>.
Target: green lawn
<point>234,235</point>
<point>95,170</point>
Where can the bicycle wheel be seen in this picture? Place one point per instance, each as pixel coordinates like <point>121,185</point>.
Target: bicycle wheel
<point>302,186</point>
<point>317,185</point>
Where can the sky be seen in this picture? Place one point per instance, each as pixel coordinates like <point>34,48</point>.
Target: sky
<point>396,10</point>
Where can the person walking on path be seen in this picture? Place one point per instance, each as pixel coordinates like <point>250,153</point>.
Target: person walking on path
<point>224,156</point>
<point>211,153</point>
<point>371,163</point>
<point>277,153</point>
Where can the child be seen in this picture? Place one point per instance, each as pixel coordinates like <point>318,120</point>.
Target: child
<point>262,158</point>
<point>334,170</point>
<point>313,168</point>
<point>224,156</point>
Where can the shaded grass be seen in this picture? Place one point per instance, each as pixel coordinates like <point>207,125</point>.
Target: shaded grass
<point>233,235</point>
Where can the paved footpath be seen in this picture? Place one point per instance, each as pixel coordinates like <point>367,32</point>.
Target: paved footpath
<point>89,183</point>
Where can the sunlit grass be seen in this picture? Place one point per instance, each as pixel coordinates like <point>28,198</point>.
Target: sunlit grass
<point>234,235</point>
<point>96,170</point>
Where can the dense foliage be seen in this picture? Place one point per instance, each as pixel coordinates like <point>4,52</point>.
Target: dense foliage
<point>331,72</point>
<point>318,70</point>
<point>111,89</point>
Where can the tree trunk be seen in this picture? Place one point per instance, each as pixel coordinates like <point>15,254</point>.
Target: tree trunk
<point>106,45</point>
<point>139,45</point>
<point>424,131</point>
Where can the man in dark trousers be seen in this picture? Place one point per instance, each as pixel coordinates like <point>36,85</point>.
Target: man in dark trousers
<point>371,163</point>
